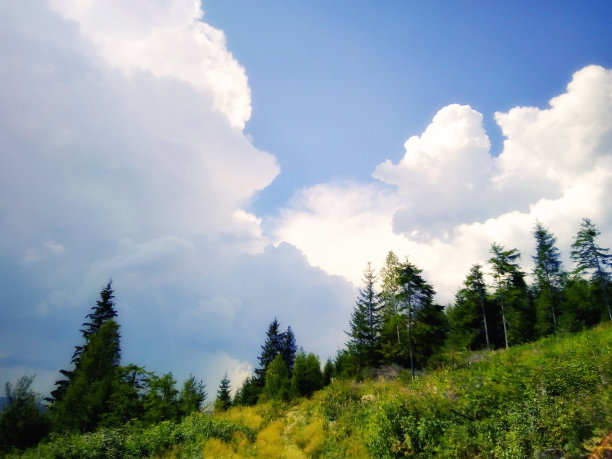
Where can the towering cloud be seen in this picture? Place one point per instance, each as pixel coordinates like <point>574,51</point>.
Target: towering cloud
<point>451,198</point>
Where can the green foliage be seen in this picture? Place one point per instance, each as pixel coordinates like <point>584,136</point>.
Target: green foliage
<point>307,376</point>
<point>365,322</point>
<point>192,396</point>
<point>328,372</point>
<point>549,280</point>
<point>551,398</point>
<point>277,386</point>
<point>135,441</point>
<point>224,399</point>
<point>248,393</point>
<point>593,259</point>
<point>88,396</point>
<point>21,422</point>
<point>161,401</point>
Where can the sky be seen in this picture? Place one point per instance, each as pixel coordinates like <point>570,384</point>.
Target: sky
<point>227,162</point>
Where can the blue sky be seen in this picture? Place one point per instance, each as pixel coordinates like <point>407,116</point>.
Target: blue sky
<point>339,86</point>
<point>230,162</point>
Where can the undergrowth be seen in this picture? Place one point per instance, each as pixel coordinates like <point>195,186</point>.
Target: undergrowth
<point>552,398</point>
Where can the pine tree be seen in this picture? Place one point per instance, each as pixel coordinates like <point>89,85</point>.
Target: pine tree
<point>548,274</point>
<point>192,396</point>
<point>328,372</point>
<point>103,310</point>
<point>288,348</point>
<point>414,295</point>
<point>87,398</point>
<point>394,329</point>
<point>161,402</point>
<point>224,398</point>
<point>270,349</point>
<point>277,384</point>
<point>248,393</point>
<point>468,315</point>
<point>366,322</point>
<point>307,376</point>
<point>593,259</point>
<point>504,267</point>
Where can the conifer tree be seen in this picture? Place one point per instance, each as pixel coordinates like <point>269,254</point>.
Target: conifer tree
<point>548,274</point>
<point>511,292</point>
<point>88,396</point>
<point>224,398</point>
<point>591,258</point>
<point>192,396</point>
<point>366,322</point>
<point>161,402</point>
<point>101,312</point>
<point>307,376</point>
<point>414,295</point>
<point>277,384</point>
<point>504,266</point>
<point>468,315</point>
<point>270,349</point>
<point>248,393</point>
<point>288,348</point>
<point>394,328</point>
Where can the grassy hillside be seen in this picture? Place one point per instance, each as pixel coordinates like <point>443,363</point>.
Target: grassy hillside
<point>552,398</point>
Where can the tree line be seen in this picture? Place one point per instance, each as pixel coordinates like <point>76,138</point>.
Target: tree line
<point>395,321</point>
<point>400,324</point>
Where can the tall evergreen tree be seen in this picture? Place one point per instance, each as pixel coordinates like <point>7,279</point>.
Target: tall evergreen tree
<point>224,398</point>
<point>505,268</point>
<point>192,396</point>
<point>548,274</point>
<point>88,397</point>
<point>248,393</point>
<point>288,348</point>
<point>468,315</point>
<point>103,310</point>
<point>394,329</point>
<point>591,258</point>
<point>271,348</point>
<point>366,322</point>
<point>161,402</point>
<point>414,295</point>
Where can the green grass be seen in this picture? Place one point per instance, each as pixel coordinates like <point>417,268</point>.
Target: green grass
<point>552,398</point>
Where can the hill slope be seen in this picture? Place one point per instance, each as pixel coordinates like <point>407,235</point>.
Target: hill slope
<point>552,398</point>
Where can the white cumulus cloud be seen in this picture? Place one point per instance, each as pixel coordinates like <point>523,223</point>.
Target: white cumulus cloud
<point>451,198</point>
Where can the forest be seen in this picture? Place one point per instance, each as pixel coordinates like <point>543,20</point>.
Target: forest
<point>495,373</point>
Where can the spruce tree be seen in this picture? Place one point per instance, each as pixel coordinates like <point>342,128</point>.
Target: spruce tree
<point>270,349</point>
<point>505,267</point>
<point>467,316</point>
<point>591,258</point>
<point>288,348</point>
<point>277,384</point>
<point>414,295</point>
<point>548,274</point>
<point>307,376</point>
<point>103,310</point>
<point>192,396</point>
<point>394,328</point>
<point>224,398</point>
<point>161,403</point>
<point>366,322</point>
<point>88,397</point>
